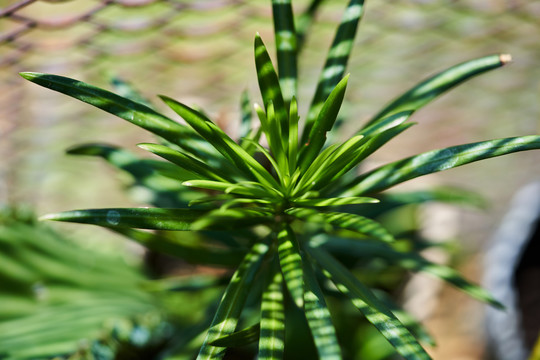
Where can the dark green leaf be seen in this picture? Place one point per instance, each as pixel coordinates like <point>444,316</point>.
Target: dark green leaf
<point>445,194</point>
<point>409,261</point>
<point>345,221</point>
<point>291,263</point>
<point>336,62</point>
<point>325,120</point>
<point>277,130</point>
<point>355,155</point>
<point>239,338</point>
<point>374,309</point>
<point>126,90</point>
<point>293,135</point>
<point>285,35</point>
<point>245,110</point>
<point>318,317</point>
<point>140,169</point>
<point>386,123</point>
<point>134,112</point>
<point>437,160</point>
<point>187,162</point>
<point>233,300</point>
<point>407,319</point>
<point>222,142</point>
<point>334,201</point>
<point>438,84</point>
<point>304,22</point>
<point>272,336</point>
<point>230,219</point>
<point>142,218</point>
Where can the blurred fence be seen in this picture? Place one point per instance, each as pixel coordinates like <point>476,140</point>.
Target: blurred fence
<point>201,52</point>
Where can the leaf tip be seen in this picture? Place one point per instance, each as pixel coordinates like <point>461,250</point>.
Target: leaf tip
<point>498,305</point>
<point>505,58</point>
<point>28,75</point>
<point>48,217</point>
<point>145,146</point>
<point>165,99</point>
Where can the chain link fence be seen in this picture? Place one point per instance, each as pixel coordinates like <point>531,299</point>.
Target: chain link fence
<point>200,52</point>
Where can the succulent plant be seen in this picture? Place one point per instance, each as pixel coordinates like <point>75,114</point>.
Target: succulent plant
<point>281,197</point>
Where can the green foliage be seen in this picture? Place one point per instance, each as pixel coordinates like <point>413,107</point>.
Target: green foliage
<point>294,220</point>
<point>56,293</point>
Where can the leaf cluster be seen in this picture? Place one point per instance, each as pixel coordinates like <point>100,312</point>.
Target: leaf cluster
<point>278,211</point>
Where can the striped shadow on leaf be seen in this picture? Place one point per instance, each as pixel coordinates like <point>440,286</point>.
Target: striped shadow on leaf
<point>221,142</point>
<point>134,112</point>
<point>429,89</point>
<point>272,335</point>
<point>290,261</point>
<point>410,261</point>
<point>374,309</point>
<point>346,221</point>
<point>336,61</point>
<point>318,317</point>
<point>286,46</point>
<point>232,303</point>
<point>429,162</point>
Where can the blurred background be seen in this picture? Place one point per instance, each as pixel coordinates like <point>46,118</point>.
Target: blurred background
<point>200,52</point>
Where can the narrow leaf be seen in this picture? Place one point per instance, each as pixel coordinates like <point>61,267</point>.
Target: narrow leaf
<point>268,156</point>
<point>444,194</point>
<point>353,157</point>
<point>437,160</point>
<point>410,261</point>
<point>407,319</point>
<point>304,22</point>
<point>374,309</point>
<point>318,317</point>
<point>417,263</point>
<point>275,139</point>
<point>230,219</point>
<point>254,135</point>
<point>386,123</point>
<point>134,112</point>
<point>233,301</point>
<point>345,221</point>
<point>325,120</point>
<point>270,87</point>
<point>141,169</point>
<point>291,263</point>
<point>239,338</point>
<point>438,84</point>
<point>141,218</point>
<point>221,141</point>
<point>126,90</point>
<point>334,201</point>
<point>186,162</point>
<point>285,35</point>
<point>336,62</point>
<point>272,335</point>
<point>245,111</point>
<point>293,135</point>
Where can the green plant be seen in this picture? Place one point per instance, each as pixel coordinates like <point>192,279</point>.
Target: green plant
<point>285,214</point>
<point>56,293</point>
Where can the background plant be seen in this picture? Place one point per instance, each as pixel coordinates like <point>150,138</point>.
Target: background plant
<point>276,209</point>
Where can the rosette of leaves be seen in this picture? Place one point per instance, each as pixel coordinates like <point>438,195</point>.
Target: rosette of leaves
<point>282,212</point>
